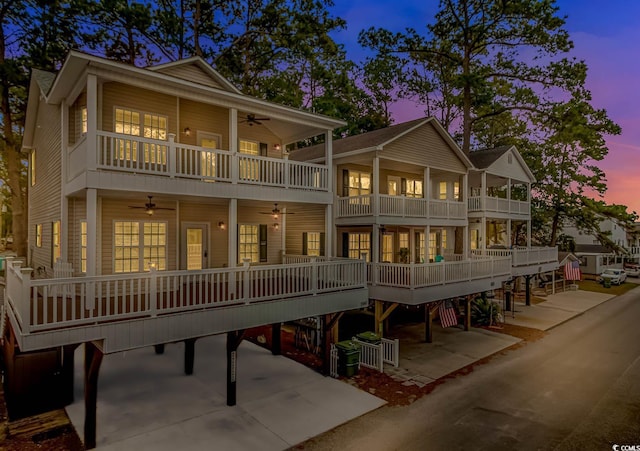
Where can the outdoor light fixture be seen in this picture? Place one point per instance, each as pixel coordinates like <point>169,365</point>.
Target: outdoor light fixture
<point>276,226</point>
<point>187,131</point>
<point>150,211</point>
<point>276,147</point>
<point>222,225</point>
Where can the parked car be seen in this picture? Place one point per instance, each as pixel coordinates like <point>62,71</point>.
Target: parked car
<point>615,276</point>
<point>632,269</point>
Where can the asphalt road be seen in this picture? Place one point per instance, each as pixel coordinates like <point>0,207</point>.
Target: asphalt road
<point>576,389</point>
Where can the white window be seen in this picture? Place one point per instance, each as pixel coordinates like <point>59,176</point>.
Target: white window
<point>475,239</point>
<point>32,167</point>
<point>209,141</point>
<point>359,243</point>
<point>313,244</point>
<point>139,245</point>
<point>387,248</point>
<point>135,123</point>
<point>414,188</point>
<point>249,168</point>
<point>56,250</point>
<point>420,247</point>
<point>38,235</point>
<point>359,183</point>
<point>84,120</point>
<point>249,243</point>
<point>456,190</point>
<point>83,246</point>
<point>442,190</point>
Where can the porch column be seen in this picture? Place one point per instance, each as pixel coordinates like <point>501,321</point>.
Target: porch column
<point>232,233</point>
<point>233,143</point>
<point>527,290</point>
<point>329,332</point>
<point>529,215</point>
<point>64,201</point>
<point>68,360</point>
<point>427,232</point>
<point>328,158</point>
<point>375,189</point>
<point>92,360</point>
<point>276,338</point>
<point>92,232</point>
<point>234,338</point>
<point>92,122</point>
<point>429,312</point>
<point>483,232</point>
<point>328,231</point>
<point>189,355</point>
<point>509,239</point>
<point>467,313</point>
<point>375,243</point>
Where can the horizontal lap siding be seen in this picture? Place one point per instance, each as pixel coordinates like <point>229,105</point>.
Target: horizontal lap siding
<point>77,214</point>
<point>252,215</point>
<point>259,133</point>
<point>118,210</point>
<point>192,73</point>
<point>211,215</point>
<point>512,170</point>
<point>44,197</point>
<point>426,147</point>
<point>205,118</point>
<point>309,219</point>
<point>119,95</point>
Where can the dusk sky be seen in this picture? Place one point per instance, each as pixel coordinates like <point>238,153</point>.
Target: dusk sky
<point>605,34</point>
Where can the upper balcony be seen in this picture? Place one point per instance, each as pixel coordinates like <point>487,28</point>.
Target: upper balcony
<point>525,260</point>
<point>128,155</point>
<point>397,208</point>
<point>497,205</point>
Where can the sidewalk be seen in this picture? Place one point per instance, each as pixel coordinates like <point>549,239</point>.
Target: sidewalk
<point>556,309</point>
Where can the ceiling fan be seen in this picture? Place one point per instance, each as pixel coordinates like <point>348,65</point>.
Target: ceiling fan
<point>276,212</point>
<point>150,207</point>
<point>251,119</point>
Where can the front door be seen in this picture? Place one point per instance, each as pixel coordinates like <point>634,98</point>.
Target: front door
<point>195,246</point>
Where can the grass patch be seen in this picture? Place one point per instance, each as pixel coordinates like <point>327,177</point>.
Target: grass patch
<point>592,285</point>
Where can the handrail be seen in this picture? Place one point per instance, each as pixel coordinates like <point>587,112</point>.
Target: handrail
<point>44,304</point>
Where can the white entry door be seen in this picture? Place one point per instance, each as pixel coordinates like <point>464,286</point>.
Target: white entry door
<point>195,249</point>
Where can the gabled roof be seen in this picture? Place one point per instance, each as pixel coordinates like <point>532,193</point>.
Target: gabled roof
<point>483,159</point>
<point>39,85</point>
<point>377,139</point>
<point>195,61</point>
<point>592,249</point>
<point>44,79</point>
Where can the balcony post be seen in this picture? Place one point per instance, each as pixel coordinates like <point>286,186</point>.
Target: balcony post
<point>314,275</point>
<point>171,157</point>
<point>153,291</point>
<point>92,122</point>
<point>25,299</point>
<point>328,231</point>
<point>375,189</point>
<point>246,280</point>
<point>427,192</point>
<point>328,161</point>
<point>233,144</point>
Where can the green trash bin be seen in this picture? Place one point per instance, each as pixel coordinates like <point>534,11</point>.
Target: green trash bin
<point>606,282</point>
<point>369,337</point>
<point>348,358</point>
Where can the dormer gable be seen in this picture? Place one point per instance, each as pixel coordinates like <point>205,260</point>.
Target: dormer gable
<point>504,161</point>
<point>195,70</point>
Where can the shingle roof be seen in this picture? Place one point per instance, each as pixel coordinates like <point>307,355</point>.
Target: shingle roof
<point>44,79</point>
<point>357,142</point>
<point>593,249</point>
<point>484,158</point>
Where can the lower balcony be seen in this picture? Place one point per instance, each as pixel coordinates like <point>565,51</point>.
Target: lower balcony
<point>498,205</point>
<point>525,260</point>
<point>419,283</point>
<point>136,310</point>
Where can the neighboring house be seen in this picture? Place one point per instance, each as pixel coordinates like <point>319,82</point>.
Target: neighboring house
<point>595,258</point>
<point>610,227</point>
<point>402,205</point>
<point>169,193</point>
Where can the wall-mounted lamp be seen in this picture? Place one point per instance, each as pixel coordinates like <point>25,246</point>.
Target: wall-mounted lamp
<point>187,131</point>
<point>222,225</point>
<point>276,147</point>
<point>276,226</point>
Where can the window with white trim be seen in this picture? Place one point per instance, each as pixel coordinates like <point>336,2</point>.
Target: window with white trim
<point>442,190</point>
<point>249,242</point>
<point>84,120</point>
<point>359,243</point>
<point>38,235</point>
<point>56,249</point>
<point>32,167</point>
<point>414,188</point>
<point>313,244</point>
<point>387,248</point>
<point>138,245</point>
<point>83,246</point>
<point>147,125</point>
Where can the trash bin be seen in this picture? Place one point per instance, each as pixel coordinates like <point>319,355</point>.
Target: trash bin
<point>606,282</point>
<point>369,337</point>
<point>348,358</point>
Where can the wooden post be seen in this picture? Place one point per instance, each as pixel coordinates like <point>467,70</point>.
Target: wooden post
<point>428,324</point>
<point>234,338</point>
<point>276,339</point>
<point>92,360</point>
<point>378,311</point>
<point>159,348</point>
<point>68,361</point>
<point>326,344</point>
<point>189,355</point>
<point>467,314</point>
<point>527,290</point>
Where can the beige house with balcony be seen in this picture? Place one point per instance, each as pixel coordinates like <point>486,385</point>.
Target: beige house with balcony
<point>159,206</point>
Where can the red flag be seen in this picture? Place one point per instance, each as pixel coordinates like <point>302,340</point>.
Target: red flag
<point>572,270</point>
<point>447,313</point>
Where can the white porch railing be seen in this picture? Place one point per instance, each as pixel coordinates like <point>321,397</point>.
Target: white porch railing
<point>634,251</point>
<point>430,274</point>
<point>140,155</point>
<point>398,206</point>
<point>522,256</point>
<point>46,304</point>
<point>498,205</point>
<point>374,356</point>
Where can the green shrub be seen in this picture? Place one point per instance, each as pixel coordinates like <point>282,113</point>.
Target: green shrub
<point>485,312</point>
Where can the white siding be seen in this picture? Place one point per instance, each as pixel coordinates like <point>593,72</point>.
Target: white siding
<point>309,219</point>
<point>192,72</point>
<point>513,170</point>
